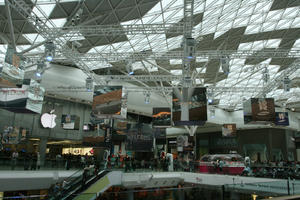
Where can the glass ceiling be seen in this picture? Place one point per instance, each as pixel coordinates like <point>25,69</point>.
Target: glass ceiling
<point>219,17</point>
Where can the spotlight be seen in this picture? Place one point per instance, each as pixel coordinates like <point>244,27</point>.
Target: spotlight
<point>210,96</point>
<point>266,75</point>
<point>188,45</point>
<point>129,68</point>
<point>212,112</point>
<point>49,56</point>
<point>89,84</point>
<point>286,84</point>
<point>225,64</point>
<point>147,97</point>
<point>49,51</point>
<point>40,69</point>
<point>38,74</point>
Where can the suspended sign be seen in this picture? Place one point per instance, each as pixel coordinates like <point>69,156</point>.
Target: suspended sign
<point>189,106</point>
<point>109,102</point>
<point>11,71</point>
<point>259,110</point>
<point>28,99</point>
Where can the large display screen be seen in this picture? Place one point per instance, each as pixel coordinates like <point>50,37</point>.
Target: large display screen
<point>161,117</point>
<point>140,138</point>
<point>189,106</point>
<point>282,118</point>
<point>11,71</point>
<point>29,98</point>
<point>229,130</point>
<point>108,102</point>
<point>259,110</point>
<point>13,135</point>
<point>70,122</point>
<point>160,136</point>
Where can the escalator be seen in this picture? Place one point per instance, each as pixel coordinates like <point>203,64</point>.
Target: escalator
<point>76,188</point>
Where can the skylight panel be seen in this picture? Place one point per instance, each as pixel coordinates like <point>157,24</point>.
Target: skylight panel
<point>251,29</point>
<point>199,8</point>
<point>291,12</point>
<point>201,70</point>
<point>59,22</point>
<point>33,37</point>
<point>168,3</point>
<point>176,72</point>
<point>3,48</point>
<point>98,65</point>
<point>274,15</point>
<point>283,24</point>
<point>273,43</point>
<point>22,47</point>
<point>175,61</point>
<point>296,23</point>
<point>151,65</point>
<point>199,81</point>
<point>43,9</point>
<point>201,59</point>
<point>137,65</point>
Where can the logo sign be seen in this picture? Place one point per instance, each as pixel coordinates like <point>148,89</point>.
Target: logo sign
<point>48,120</point>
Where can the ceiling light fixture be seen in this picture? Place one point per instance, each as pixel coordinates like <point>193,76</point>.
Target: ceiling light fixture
<point>49,51</point>
<point>225,64</point>
<point>147,97</point>
<point>286,84</point>
<point>89,84</point>
<point>129,68</point>
<point>40,69</point>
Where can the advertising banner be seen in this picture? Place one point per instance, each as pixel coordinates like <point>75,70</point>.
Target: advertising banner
<point>109,102</point>
<point>140,138</point>
<point>282,118</point>
<point>160,136</point>
<point>11,71</point>
<point>258,110</point>
<point>161,117</point>
<point>13,135</point>
<point>229,130</point>
<point>189,106</point>
<point>182,141</point>
<point>70,122</point>
<point>28,99</point>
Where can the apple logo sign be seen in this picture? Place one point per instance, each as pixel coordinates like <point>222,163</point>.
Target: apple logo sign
<point>48,119</point>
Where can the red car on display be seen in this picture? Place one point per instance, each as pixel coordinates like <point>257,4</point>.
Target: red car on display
<point>232,164</point>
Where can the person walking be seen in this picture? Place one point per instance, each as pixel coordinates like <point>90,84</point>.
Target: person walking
<point>14,158</point>
<point>38,160</point>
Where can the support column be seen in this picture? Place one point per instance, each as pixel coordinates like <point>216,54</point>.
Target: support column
<point>234,196</point>
<point>184,111</point>
<point>42,150</point>
<point>130,195</point>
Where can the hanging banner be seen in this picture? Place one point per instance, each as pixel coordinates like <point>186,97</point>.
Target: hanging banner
<point>189,106</point>
<point>11,71</point>
<point>282,119</point>
<point>259,110</point>
<point>28,99</point>
<point>109,102</point>
<point>161,117</point>
<point>140,138</point>
<point>160,136</point>
<point>229,130</point>
<point>70,122</point>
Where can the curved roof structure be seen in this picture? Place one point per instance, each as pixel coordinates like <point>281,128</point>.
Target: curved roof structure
<point>113,37</point>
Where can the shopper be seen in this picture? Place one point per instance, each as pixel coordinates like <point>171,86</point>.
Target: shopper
<point>14,158</point>
<point>84,177</point>
<point>38,160</point>
<point>127,163</point>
